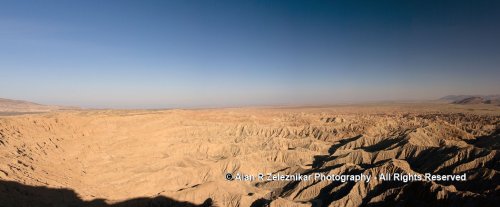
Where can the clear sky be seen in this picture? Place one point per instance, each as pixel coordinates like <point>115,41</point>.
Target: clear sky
<point>154,54</point>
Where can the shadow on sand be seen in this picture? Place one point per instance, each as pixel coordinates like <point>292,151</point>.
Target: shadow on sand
<point>13,194</point>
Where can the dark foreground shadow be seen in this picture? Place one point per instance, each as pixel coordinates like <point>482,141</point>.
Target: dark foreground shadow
<point>13,194</point>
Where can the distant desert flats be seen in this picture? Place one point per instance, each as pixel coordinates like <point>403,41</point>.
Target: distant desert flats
<point>20,106</point>
<point>10,106</point>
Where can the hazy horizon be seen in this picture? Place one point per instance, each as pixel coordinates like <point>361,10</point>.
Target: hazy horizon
<point>156,54</point>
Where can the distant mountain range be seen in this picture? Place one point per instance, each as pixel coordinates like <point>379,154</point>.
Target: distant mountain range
<point>8,105</point>
<point>472,99</point>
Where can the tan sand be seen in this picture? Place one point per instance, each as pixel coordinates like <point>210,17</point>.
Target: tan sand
<point>183,155</point>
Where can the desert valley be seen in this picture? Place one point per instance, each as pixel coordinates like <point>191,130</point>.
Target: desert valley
<point>180,157</point>
<point>249,103</point>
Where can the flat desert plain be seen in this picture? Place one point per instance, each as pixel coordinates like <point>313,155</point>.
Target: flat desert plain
<point>183,157</point>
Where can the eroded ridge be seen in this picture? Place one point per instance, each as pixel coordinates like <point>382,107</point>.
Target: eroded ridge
<point>184,155</point>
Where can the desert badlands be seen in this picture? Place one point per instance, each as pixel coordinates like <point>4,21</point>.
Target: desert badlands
<point>437,154</point>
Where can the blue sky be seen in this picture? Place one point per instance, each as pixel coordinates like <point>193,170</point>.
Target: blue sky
<point>155,54</point>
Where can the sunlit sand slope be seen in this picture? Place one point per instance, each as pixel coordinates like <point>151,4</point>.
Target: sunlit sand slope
<point>185,154</point>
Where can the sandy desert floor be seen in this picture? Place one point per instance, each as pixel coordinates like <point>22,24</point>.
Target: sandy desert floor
<point>181,157</point>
